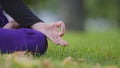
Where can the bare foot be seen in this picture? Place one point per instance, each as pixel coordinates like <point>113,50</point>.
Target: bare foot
<point>11,25</point>
<point>54,31</point>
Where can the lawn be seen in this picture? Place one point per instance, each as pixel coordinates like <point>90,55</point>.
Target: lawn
<point>85,50</point>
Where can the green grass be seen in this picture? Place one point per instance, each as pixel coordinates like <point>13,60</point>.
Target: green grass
<point>85,50</point>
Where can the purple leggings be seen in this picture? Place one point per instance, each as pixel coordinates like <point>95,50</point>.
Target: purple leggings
<point>23,39</point>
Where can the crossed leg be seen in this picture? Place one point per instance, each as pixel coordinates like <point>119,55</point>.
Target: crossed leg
<point>22,40</point>
<point>51,30</point>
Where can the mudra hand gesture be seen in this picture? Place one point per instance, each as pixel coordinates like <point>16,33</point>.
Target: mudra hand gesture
<point>54,31</point>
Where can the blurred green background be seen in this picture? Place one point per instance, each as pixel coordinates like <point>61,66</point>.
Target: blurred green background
<point>79,15</point>
<point>93,28</point>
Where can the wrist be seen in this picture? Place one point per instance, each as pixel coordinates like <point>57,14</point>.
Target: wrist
<point>36,25</point>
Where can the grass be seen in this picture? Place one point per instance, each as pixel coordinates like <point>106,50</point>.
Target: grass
<point>85,50</point>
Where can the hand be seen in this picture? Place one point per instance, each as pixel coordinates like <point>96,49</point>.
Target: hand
<point>11,25</point>
<point>54,31</point>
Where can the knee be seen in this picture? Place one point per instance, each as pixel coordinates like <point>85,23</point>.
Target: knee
<point>36,41</point>
<point>42,44</point>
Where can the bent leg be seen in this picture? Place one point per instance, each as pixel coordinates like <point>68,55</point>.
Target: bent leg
<point>21,40</point>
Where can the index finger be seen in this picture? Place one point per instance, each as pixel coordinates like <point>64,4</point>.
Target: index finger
<point>62,28</point>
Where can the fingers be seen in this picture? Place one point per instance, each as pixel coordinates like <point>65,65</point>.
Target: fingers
<point>51,30</point>
<point>62,42</point>
<point>62,28</point>
<point>61,33</point>
<point>58,40</point>
<point>54,40</point>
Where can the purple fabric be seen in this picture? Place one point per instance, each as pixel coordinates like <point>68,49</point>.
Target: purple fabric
<point>22,39</point>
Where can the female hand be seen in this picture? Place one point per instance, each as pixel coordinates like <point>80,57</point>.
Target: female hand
<point>11,25</point>
<point>54,31</point>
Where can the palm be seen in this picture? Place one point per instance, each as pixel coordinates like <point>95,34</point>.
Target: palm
<point>51,30</point>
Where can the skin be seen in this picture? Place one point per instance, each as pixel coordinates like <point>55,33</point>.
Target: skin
<point>54,31</point>
<point>11,25</point>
